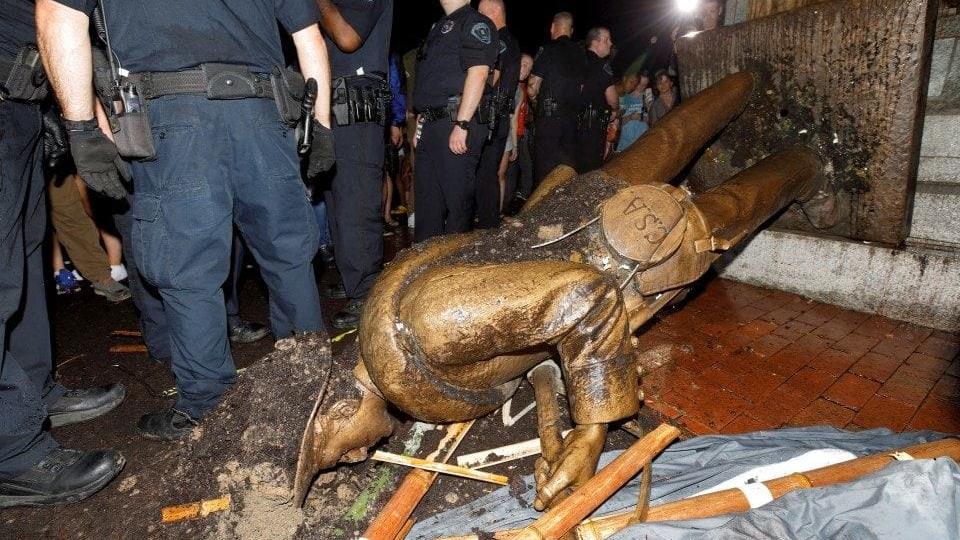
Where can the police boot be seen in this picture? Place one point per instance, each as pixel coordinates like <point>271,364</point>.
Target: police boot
<point>349,316</point>
<point>85,404</point>
<point>247,332</point>
<point>64,476</point>
<point>167,425</point>
<point>331,286</point>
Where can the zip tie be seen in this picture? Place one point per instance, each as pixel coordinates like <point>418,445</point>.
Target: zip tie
<point>901,456</point>
<point>757,494</point>
<point>568,235</point>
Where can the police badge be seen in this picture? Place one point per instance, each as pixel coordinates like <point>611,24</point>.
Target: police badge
<point>482,32</point>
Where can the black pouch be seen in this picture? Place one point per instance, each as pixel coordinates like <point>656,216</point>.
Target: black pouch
<point>340,99</point>
<point>26,80</point>
<point>229,81</point>
<point>133,135</point>
<point>287,85</point>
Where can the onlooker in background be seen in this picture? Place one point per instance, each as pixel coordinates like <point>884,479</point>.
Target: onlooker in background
<point>667,99</point>
<point>711,14</point>
<point>633,109</point>
<point>599,101</point>
<point>499,95</point>
<point>519,177</point>
<point>555,85</point>
<point>79,236</point>
<point>398,119</point>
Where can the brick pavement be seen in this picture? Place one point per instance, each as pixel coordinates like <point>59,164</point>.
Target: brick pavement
<point>739,358</point>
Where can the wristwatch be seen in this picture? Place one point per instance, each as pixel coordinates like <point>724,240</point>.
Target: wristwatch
<point>462,124</point>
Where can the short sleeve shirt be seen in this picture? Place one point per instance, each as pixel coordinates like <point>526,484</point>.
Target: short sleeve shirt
<point>372,20</point>
<point>560,64</point>
<point>598,77</point>
<point>17,27</point>
<point>173,35</point>
<point>457,42</point>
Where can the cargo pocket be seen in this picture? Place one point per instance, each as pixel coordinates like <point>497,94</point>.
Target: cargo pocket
<point>148,237</point>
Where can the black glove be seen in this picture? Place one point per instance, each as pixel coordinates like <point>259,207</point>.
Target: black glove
<point>97,160</point>
<point>322,153</point>
<point>56,151</point>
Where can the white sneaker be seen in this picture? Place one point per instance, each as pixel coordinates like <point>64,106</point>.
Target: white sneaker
<point>410,220</point>
<point>77,276</point>
<point>118,272</point>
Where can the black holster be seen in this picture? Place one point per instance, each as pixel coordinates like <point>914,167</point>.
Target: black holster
<point>22,78</point>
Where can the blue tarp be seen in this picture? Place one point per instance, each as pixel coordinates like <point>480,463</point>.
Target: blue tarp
<point>916,499</point>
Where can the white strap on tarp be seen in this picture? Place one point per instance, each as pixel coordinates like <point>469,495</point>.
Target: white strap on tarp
<point>757,494</point>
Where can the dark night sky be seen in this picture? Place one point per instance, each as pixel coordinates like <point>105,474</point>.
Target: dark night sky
<point>632,22</point>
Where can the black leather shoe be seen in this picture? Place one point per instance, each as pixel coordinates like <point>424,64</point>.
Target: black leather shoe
<point>349,316</point>
<point>64,476</point>
<point>167,425</point>
<point>85,404</point>
<point>247,332</point>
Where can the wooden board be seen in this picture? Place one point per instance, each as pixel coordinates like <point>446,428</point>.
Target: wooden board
<point>846,77</point>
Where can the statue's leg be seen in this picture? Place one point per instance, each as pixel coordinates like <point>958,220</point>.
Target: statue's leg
<point>466,323</point>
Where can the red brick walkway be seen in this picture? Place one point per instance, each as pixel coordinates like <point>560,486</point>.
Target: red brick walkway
<point>743,358</point>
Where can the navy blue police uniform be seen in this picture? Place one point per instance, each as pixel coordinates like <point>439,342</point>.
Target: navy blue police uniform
<point>560,64</point>
<point>594,114</point>
<point>26,385</point>
<point>353,201</point>
<point>221,161</point>
<point>444,182</point>
<point>501,96</point>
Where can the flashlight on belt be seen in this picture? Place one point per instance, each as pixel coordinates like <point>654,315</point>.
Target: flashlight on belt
<point>305,126</point>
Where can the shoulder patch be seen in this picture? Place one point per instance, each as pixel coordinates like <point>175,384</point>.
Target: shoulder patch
<point>447,27</point>
<point>481,31</point>
<point>539,52</point>
<point>607,69</point>
<point>503,47</point>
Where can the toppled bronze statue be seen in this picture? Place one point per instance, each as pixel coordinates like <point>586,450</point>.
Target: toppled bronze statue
<point>453,324</point>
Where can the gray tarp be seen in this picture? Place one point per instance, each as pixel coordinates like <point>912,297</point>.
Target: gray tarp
<point>907,500</point>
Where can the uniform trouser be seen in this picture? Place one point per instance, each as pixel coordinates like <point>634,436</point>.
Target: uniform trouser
<point>488,178</point>
<point>555,143</point>
<point>220,164</point>
<point>153,317</point>
<point>591,144</point>
<point>231,289</point>
<point>26,385</point>
<point>444,182</point>
<point>353,205</point>
<point>76,231</point>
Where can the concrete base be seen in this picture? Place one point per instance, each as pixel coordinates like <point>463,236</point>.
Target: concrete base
<point>917,286</point>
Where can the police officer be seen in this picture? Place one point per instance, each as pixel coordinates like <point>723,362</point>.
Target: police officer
<point>358,38</point>
<point>600,101</point>
<point>558,71</point>
<point>34,469</point>
<point>223,157</point>
<point>454,65</point>
<point>500,94</point>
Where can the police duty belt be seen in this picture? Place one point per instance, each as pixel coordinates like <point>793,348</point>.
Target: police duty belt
<point>216,81</point>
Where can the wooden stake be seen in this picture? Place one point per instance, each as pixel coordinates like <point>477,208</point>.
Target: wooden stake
<point>173,514</point>
<point>453,470</point>
<point>414,486</point>
<point>503,454</point>
<point>127,333</point>
<point>128,348</point>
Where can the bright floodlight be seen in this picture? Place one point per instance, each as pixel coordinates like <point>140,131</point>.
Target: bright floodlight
<point>687,6</point>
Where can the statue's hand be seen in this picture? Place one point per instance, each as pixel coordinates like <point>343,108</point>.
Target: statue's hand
<point>575,465</point>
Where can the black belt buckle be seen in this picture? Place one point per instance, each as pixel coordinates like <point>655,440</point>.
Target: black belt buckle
<point>230,81</point>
